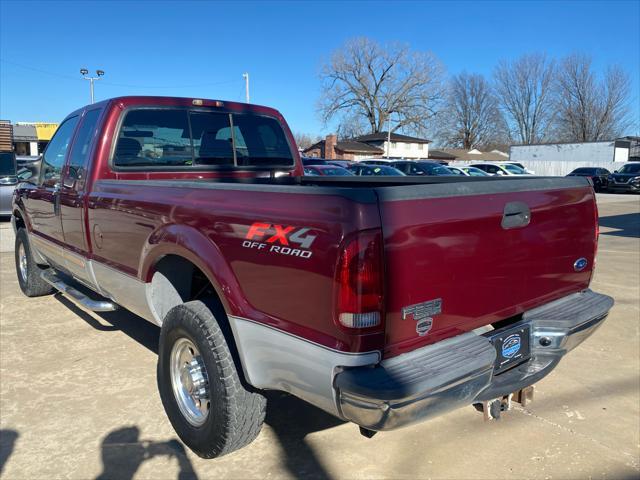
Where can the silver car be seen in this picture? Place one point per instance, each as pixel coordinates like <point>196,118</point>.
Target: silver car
<point>8,181</point>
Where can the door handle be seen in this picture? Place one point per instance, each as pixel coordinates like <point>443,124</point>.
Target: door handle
<point>515,215</point>
<point>56,199</point>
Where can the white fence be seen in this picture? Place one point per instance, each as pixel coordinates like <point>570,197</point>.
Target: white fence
<point>562,158</point>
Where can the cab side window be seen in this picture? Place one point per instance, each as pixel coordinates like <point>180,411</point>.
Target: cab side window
<point>54,155</point>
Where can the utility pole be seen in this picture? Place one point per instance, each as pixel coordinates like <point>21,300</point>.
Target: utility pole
<point>246,85</point>
<point>388,134</point>
<point>84,72</point>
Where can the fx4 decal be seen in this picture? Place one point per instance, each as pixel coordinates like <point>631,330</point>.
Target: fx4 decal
<point>281,239</point>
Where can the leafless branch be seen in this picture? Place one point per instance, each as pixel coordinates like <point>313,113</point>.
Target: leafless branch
<point>591,109</point>
<point>471,117</point>
<point>524,89</point>
<point>367,82</point>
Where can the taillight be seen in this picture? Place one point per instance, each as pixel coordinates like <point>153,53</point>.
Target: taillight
<point>359,277</point>
<point>597,231</point>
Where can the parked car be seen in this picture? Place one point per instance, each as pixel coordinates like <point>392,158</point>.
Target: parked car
<point>363,169</point>
<point>467,170</point>
<point>342,163</point>
<point>342,291</point>
<point>627,179</point>
<point>313,161</point>
<point>413,167</point>
<point>599,176</point>
<point>8,182</point>
<point>326,170</point>
<point>500,168</point>
<point>517,164</point>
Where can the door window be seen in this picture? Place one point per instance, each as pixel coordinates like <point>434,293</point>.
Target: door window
<point>54,155</point>
<point>80,150</point>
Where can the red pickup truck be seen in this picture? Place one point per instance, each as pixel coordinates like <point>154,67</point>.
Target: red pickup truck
<point>383,301</point>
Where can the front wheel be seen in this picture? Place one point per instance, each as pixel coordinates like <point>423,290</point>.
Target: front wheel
<point>207,404</point>
<point>28,271</point>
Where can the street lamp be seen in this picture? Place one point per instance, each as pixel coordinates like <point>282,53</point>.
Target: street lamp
<point>389,132</point>
<point>84,72</point>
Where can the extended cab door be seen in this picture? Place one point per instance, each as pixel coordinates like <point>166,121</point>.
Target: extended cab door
<point>42,202</point>
<point>72,196</point>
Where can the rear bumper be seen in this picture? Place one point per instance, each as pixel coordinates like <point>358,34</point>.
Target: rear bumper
<point>459,371</point>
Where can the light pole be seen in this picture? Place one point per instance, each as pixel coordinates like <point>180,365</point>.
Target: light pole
<point>84,72</point>
<point>389,133</point>
<point>246,85</point>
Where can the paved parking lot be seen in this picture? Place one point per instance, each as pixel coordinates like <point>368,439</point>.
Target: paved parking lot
<point>78,400</point>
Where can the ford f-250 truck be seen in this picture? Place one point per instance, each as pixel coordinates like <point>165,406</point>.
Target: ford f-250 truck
<point>383,301</point>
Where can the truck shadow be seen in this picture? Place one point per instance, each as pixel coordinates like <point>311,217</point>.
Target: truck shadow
<point>123,452</point>
<point>292,420</point>
<point>145,333</point>
<point>7,445</point>
<point>626,225</point>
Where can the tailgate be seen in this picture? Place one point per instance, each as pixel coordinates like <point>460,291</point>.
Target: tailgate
<point>462,255</point>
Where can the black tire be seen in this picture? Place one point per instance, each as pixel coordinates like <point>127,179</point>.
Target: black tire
<point>236,414</point>
<point>32,285</point>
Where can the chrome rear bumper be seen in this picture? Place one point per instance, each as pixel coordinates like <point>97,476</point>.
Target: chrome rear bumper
<point>432,380</point>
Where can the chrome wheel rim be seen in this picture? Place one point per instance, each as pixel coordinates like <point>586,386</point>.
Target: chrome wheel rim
<point>22,262</point>
<point>190,382</point>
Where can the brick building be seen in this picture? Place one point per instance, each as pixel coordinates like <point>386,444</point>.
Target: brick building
<point>332,149</point>
<point>374,145</point>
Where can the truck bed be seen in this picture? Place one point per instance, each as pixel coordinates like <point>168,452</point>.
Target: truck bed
<point>442,238</point>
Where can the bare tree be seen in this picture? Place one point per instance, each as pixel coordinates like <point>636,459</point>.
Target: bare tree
<point>471,116</point>
<point>305,140</point>
<point>524,88</point>
<point>591,109</point>
<point>369,81</point>
<point>351,125</point>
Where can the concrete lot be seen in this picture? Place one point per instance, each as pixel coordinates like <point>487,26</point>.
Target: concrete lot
<point>78,400</point>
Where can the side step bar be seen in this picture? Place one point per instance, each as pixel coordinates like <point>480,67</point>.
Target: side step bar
<point>76,296</point>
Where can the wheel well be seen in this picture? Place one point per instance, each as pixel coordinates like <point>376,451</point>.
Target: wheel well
<point>175,281</point>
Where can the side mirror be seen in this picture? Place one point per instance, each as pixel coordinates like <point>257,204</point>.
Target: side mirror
<point>500,172</point>
<point>73,174</point>
<point>615,171</point>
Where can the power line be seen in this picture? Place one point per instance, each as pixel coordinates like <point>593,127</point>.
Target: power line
<point>113,84</point>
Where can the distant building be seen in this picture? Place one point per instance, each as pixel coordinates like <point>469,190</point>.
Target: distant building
<point>6,136</point>
<point>25,140</point>
<point>439,155</point>
<point>374,145</point>
<point>333,149</point>
<point>475,155</point>
<point>30,138</point>
<point>634,147</point>
<point>562,158</point>
<point>401,146</point>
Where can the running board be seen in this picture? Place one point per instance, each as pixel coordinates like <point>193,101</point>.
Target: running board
<point>76,296</point>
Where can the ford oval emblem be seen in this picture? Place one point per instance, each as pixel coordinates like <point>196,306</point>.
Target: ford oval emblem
<point>580,264</point>
<point>511,345</point>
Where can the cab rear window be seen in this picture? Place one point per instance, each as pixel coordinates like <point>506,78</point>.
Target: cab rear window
<point>178,138</point>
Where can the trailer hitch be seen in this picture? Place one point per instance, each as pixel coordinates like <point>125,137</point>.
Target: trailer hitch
<point>491,409</point>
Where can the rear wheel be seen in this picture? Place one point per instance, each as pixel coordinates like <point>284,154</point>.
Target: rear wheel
<point>28,271</point>
<point>202,393</point>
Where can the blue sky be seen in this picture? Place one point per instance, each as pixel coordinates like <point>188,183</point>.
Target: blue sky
<point>201,49</point>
